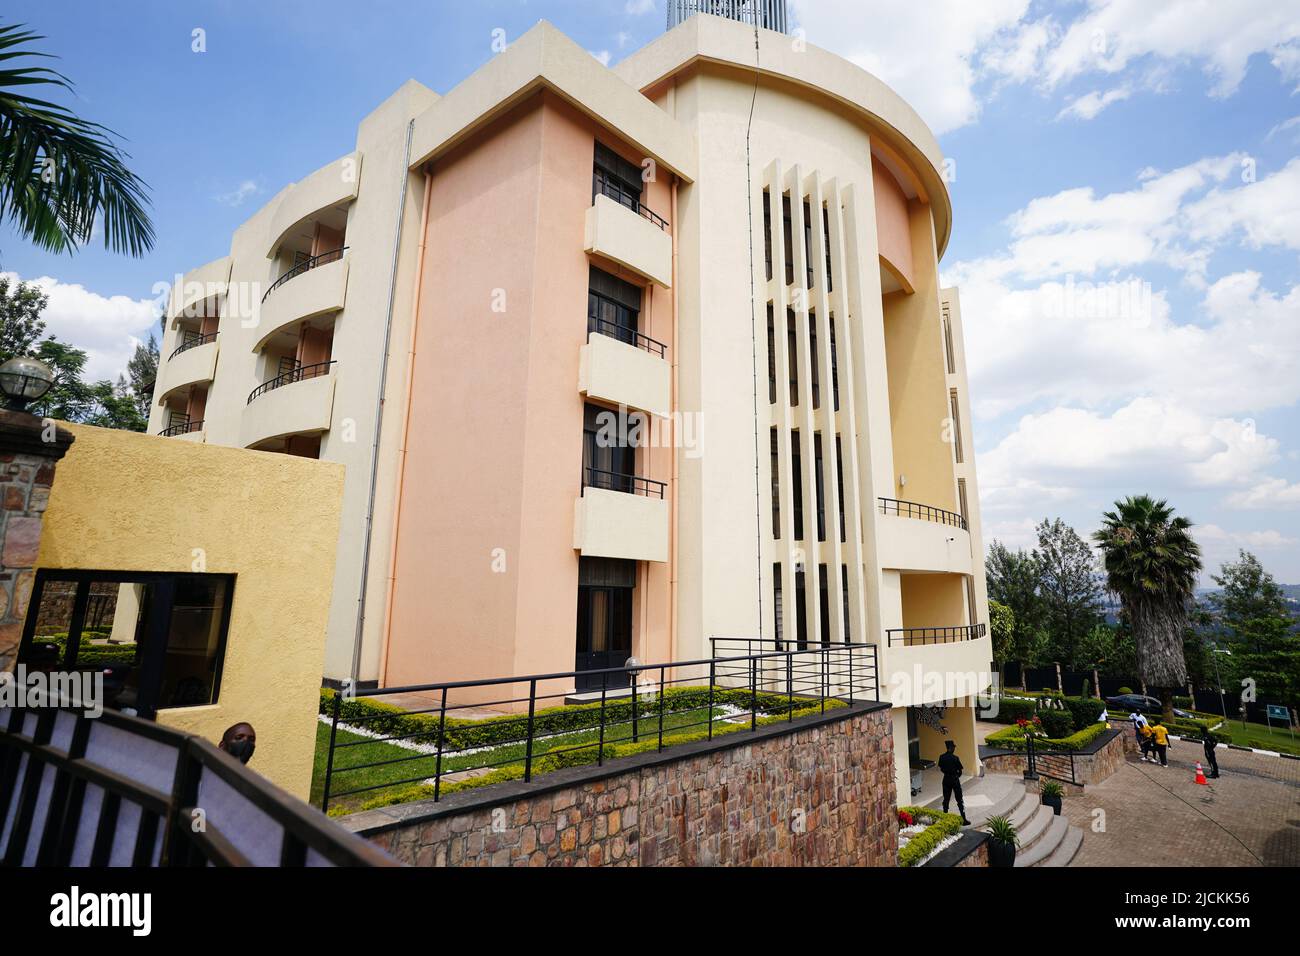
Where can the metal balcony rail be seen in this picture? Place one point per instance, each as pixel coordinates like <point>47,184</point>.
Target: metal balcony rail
<point>631,336</point>
<point>291,376</point>
<point>602,185</point>
<point>306,265</point>
<point>117,790</point>
<point>193,340</point>
<point>628,484</point>
<point>181,428</point>
<point>910,636</point>
<point>649,704</point>
<point>911,509</point>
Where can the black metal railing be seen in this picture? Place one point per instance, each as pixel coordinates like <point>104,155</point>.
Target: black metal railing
<point>604,186</point>
<point>911,509</point>
<point>192,340</point>
<point>628,484</point>
<point>535,732</point>
<point>1056,764</point>
<point>909,636</point>
<point>293,375</point>
<point>306,265</point>
<point>631,336</point>
<point>182,428</point>
<point>115,790</point>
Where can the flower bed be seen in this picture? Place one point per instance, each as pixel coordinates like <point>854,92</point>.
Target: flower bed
<point>1013,738</point>
<point>923,833</point>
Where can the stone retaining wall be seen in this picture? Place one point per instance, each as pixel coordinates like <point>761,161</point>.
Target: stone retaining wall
<point>818,792</point>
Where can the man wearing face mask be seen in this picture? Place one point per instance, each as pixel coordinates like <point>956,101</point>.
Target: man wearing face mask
<point>239,741</point>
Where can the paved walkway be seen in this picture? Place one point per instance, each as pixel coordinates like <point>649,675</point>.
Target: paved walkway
<point>1155,816</point>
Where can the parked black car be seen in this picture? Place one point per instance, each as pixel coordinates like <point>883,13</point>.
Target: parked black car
<point>1142,704</point>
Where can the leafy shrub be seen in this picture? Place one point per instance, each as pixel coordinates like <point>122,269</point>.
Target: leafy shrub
<point>1013,739</point>
<point>1056,723</point>
<point>1050,788</point>
<point>1011,709</point>
<point>1084,710</point>
<point>1003,830</point>
<point>941,826</point>
<point>1125,690</point>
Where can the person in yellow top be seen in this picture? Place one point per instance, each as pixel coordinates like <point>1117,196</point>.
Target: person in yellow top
<point>1161,734</point>
<point>1147,742</point>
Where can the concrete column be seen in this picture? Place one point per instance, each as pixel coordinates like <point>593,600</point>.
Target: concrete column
<point>29,449</point>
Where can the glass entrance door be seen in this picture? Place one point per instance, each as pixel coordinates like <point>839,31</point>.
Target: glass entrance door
<point>604,635</point>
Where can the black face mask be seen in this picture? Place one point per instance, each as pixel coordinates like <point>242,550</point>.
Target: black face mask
<point>241,750</point>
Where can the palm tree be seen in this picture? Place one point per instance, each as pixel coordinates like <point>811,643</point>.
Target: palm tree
<point>58,172</point>
<point>1151,562</point>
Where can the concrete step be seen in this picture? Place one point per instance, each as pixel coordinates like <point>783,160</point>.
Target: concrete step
<point>1064,853</point>
<point>1025,809</point>
<point>1037,823</point>
<point>1004,804</point>
<point>1046,842</point>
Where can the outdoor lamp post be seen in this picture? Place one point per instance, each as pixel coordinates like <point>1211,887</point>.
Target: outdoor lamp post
<point>24,380</point>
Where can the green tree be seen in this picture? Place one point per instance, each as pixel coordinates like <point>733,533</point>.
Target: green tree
<point>69,399</point>
<point>61,176</point>
<point>141,372</point>
<point>1250,608</point>
<point>1070,587</point>
<point>21,326</point>
<point>1151,562</point>
<point>1012,581</point>
<point>1002,632</point>
<point>116,406</point>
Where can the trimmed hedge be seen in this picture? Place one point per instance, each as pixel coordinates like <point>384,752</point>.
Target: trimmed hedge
<point>943,825</point>
<point>1013,739</point>
<point>1057,724</point>
<point>581,756</point>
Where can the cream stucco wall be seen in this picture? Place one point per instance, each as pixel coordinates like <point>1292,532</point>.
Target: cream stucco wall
<point>128,502</point>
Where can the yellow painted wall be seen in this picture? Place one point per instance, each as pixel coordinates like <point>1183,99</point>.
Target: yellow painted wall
<point>128,502</point>
<point>960,722</point>
<point>934,600</point>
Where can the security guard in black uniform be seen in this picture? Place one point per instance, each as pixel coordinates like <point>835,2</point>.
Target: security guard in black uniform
<point>951,767</point>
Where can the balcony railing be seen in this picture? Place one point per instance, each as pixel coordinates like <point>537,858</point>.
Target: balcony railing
<point>324,258</point>
<point>910,509</point>
<point>182,428</point>
<point>631,336</point>
<point>604,186</point>
<point>293,375</point>
<point>193,340</point>
<point>628,484</point>
<point>910,636</point>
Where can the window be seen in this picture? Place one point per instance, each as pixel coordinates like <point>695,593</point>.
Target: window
<point>613,306</point>
<point>776,488</point>
<point>826,233</point>
<point>844,590</point>
<point>767,231</point>
<point>796,481</point>
<point>616,178</point>
<point>956,426</point>
<point>947,341</point>
<point>839,482</point>
<point>788,239</point>
<point>824,602</point>
<point>820,486</point>
<point>800,611</point>
<point>776,603</point>
<point>771,356</point>
<point>835,367</point>
<point>792,356</point>
<point>608,452</point>
<point>158,638</point>
<point>812,358</point>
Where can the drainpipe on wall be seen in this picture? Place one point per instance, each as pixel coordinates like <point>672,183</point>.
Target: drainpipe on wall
<point>674,652</point>
<point>379,412</point>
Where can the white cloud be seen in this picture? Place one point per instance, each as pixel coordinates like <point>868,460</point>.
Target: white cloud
<point>1282,127</point>
<point>636,8</point>
<point>107,328</point>
<point>928,52</point>
<point>239,194</point>
<point>1263,213</point>
<point>601,55</point>
<point>1267,493</point>
<point>1089,105</point>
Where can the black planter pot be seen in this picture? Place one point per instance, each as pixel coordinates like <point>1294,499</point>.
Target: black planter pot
<point>1054,803</point>
<point>1001,854</point>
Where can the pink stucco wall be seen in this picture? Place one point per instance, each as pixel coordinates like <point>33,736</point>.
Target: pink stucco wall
<point>495,448</point>
<point>892,230</point>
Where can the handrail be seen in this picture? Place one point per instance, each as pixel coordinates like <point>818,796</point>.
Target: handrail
<point>193,340</point>
<point>602,185</point>
<point>912,509</point>
<point>910,636</point>
<point>630,336</point>
<point>294,375</point>
<point>183,428</point>
<point>617,481</point>
<point>323,258</point>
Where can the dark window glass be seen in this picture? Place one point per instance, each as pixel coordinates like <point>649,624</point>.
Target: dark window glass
<point>792,355</point>
<point>776,487</point>
<point>839,481</point>
<point>613,306</point>
<point>608,449</point>
<point>616,178</point>
<point>771,356</point>
<point>796,482</point>
<point>824,602</point>
<point>788,239</point>
<point>820,487</point>
<point>767,232</point>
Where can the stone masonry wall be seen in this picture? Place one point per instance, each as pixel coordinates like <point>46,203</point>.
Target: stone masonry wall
<point>29,449</point>
<point>818,796</point>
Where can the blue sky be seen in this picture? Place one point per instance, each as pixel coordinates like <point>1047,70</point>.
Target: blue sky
<point>1133,146</point>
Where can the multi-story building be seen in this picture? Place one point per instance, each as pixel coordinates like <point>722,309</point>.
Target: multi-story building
<point>734,265</point>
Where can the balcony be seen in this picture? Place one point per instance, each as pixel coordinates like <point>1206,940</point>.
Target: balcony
<point>624,367</point>
<point>194,362</point>
<point>917,537</point>
<point>200,291</point>
<point>626,236</point>
<point>313,287</point>
<point>927,665</point>
<point>329,187</point>
<point>298,402</point>
<point>621,516</point>
<point>185,431</point>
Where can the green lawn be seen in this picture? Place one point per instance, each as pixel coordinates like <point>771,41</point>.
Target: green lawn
<point>1259,735</point>
<point>410,766</point>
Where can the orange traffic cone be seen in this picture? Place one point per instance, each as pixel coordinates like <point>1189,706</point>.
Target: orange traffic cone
<point>1200,775</point>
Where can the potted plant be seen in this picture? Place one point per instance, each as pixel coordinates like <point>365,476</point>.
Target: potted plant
<point>1003,841</point>
<point>1050,793</point>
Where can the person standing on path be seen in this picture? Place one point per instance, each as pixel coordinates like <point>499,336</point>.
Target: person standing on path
<point>1161,735</point>
<point>952,770</point>
<point>1210,746</point>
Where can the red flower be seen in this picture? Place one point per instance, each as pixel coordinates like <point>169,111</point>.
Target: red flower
<point>904,818</point>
